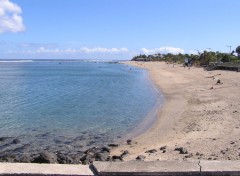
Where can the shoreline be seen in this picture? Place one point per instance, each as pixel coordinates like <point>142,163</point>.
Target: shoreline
<point>25,148</point>
<point>198,115</point>
<point>199,120</point>
<point>148,121</point>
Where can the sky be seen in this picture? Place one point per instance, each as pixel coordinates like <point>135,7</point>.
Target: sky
<point>115,29</point>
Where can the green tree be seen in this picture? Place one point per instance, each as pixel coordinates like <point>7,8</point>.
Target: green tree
<point>226,58</point>
<point>238,51</point>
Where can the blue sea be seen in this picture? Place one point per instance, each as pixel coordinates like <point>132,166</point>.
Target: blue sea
<point>61,106</point>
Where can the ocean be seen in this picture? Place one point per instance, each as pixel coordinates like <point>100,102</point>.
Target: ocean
<point>71,106</point>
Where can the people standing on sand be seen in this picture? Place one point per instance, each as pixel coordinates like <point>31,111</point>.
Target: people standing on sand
<point>185,62</point>
<point>189,64</point>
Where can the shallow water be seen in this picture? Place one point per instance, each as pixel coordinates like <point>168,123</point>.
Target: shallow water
<point>70,106</point>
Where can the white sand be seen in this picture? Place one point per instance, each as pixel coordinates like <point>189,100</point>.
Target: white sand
<point>198,114</point>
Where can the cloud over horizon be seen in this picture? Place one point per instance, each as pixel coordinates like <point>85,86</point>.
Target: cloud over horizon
<point>51,51</point>
<point>54,50</point>
<point>162,50</point>
<point>85,50</point>
<point>103,50</point>
<point>10,17</point>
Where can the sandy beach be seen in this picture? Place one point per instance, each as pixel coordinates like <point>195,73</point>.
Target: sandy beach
<point>199,115</point>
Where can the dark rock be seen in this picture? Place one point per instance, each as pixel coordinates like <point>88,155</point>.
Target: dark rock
<point>62,159</point>
<point>94,153</point>
<point>151,151</point>
<point>140,157</point>
<point>129,141</point>
<point>163,148</point>
<point>77,158</point>
<point>164,151</point>
<point>97,137</point>
<point>8,157</point>
<point>116,158</point>
<point>105,149</point>
<point>2,139</point>
<point>181,150</point>
<point>46,157</point>
<point>93,150</point>
<point>91,143</point>
<point>25,159</point>
<point>16,141</point>
<point>189,156</point>
<point>42,135</point>
<point>103,156</point>
<point>218,81</point>
<point>113,145</point>
<point>88,158</point>
<point>57,141</point>
<point>223,152</point>
<point>19,149</point>
<point>125,153</point>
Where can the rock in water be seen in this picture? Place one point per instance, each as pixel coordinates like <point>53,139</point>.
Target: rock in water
<point>46,157</point>
<point>16,141</point>
<point>106,149</point>
<point>62,159</point>
<point>102,156</point>
<point>2,139</point>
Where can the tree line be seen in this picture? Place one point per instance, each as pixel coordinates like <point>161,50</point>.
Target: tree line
<point>203,58</point>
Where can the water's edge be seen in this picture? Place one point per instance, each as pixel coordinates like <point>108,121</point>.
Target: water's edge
<point>15,151</point>
<point>148,121</point>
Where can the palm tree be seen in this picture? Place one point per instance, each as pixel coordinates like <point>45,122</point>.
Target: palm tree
<point>238,51</point>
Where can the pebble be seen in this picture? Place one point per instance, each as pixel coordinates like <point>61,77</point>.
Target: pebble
<point>181,150</point>
<point>151,151</point>
<point>129,141</point>
<point>113,145</point>
<point>163,148</point>
<point>140,157</point>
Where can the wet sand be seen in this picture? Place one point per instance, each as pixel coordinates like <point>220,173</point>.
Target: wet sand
<point>199,115</point>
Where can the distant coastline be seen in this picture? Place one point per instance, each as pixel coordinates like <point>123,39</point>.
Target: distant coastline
<point>61,60</point>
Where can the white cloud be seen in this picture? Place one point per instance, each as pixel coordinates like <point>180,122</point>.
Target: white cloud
<point>43,50</point>
<point>10,19</point>
<point>82,50</point>
<point>56,50</point>
<point>162,50</point>
<point>103,50</point>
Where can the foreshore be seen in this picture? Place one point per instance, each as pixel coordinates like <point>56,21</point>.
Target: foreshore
<point>199,120</point>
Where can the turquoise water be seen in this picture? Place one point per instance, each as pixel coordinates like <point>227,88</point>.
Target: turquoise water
<point>71,105</point>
